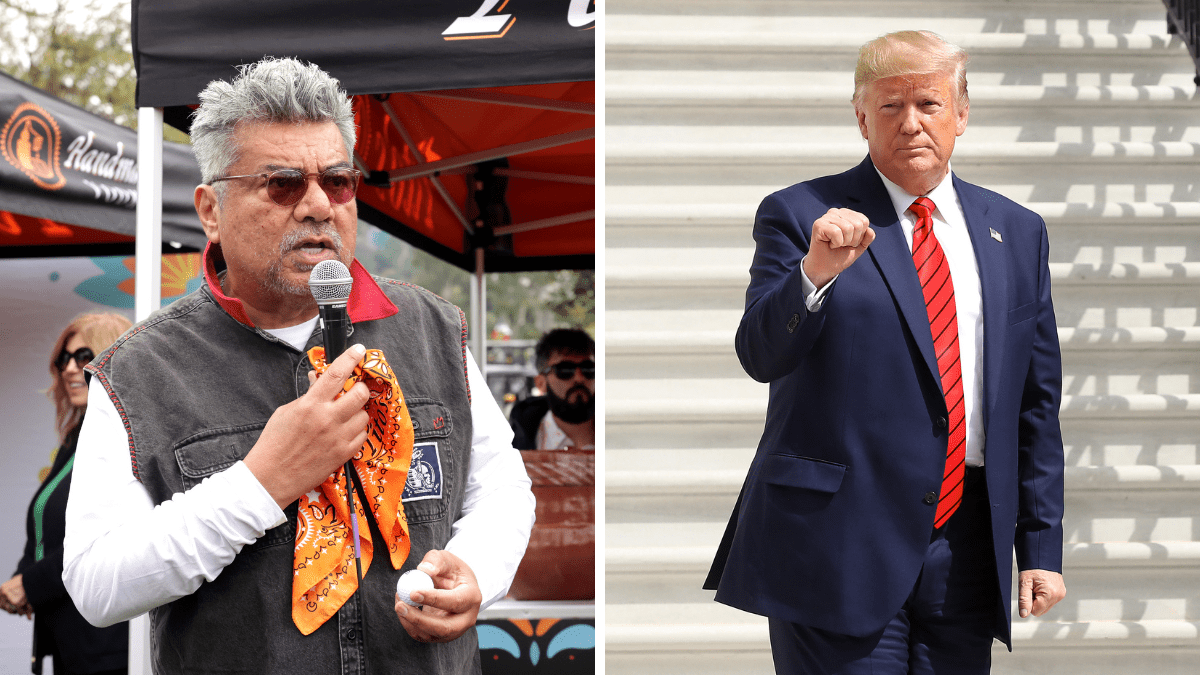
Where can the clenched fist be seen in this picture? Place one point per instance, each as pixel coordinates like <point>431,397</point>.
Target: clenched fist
<point>838,238</point>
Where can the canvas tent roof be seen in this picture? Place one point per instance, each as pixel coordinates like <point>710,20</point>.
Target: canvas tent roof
<point>68,181</point>
<point>476,117</point>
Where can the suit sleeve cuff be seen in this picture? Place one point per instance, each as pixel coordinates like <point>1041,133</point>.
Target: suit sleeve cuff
<point>814,298</point>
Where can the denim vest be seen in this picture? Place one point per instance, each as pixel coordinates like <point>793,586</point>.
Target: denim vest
<point>195,387</point>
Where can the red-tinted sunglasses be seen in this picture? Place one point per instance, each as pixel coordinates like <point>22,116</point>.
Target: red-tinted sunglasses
<point>285,187</point>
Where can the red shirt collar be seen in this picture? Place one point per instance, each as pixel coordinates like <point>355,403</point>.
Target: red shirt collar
<point>367,300</point>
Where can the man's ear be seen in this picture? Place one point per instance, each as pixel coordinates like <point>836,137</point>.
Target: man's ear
<point>961,124</point>
<point>539,381</point>
<point>208,209</point>
<point>862,121</point>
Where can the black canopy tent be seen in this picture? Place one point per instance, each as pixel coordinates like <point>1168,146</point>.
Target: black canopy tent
<point>68,181</point>
<point>476,117</point>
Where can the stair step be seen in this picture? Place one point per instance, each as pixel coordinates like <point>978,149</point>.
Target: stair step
<point>639,268</point>
<point>623,408</point>
<point>717,147</point>
<point>711,326</point>
<point>1166,305</point>
<point>720,342</point>
<point>625,633</point>
<point>826,34</point>
<point>1089,426</point>
<point>1090,516</point>
<point>1097,446</point>
<point>637,560</point>
<point>806,90</point>
<point>1095,593</point>
<point>721,481</point>
<point>1088,440</point>
<point>630,213</point>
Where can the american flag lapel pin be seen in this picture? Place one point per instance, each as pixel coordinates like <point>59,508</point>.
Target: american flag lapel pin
<point>996,235</point>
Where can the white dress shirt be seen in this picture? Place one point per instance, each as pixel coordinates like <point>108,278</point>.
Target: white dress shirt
<point>124,556</point>
<point>950,229</point>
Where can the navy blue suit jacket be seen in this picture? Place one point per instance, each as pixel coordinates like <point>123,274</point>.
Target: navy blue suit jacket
<point>832,524</point>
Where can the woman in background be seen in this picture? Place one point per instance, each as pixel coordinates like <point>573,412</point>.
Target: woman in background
<point>36,590</point>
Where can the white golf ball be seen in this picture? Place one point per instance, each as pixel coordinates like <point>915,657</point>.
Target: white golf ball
<point>412,580</point>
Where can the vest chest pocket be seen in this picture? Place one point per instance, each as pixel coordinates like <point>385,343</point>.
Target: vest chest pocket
<point>216,450</point>
<point>430,418</point>
<point>213,451</point>
<point>425,487</point>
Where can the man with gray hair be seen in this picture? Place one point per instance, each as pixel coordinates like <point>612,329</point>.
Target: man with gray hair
<point>208,487</point>
<point>903,318</point>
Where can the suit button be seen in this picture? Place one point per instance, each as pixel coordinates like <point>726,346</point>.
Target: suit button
<point>930,498</point>
<point>793,322</point>
<point>943,423</point>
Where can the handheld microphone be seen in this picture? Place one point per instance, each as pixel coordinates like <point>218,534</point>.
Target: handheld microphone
<point>330,284</point>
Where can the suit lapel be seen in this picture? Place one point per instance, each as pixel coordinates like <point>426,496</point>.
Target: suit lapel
<point>893,258</point>
<point>993,284</point>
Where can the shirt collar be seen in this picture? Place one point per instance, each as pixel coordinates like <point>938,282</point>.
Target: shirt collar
<point>367,300</point>
<point>942,194</point>
<point>550,436</point>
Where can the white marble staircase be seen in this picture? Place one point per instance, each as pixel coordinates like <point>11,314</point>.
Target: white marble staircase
<point>1083,111</point>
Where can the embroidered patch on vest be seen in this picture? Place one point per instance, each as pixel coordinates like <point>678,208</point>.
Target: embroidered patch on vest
<point>424,475</point>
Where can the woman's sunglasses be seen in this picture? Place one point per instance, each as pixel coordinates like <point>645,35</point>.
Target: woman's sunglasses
<point>565,370</point>
<point>285,187</point>
<point>82,356</point>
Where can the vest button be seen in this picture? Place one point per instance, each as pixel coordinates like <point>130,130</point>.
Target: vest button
<point>930,498</point>
<point>943,423</point>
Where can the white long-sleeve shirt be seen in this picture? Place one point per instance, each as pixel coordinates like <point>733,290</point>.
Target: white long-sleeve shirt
<point>124,556</point>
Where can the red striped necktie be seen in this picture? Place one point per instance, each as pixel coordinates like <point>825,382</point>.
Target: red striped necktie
<point>938,288</point>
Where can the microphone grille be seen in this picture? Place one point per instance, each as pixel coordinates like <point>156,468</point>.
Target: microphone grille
<point>330,282</point>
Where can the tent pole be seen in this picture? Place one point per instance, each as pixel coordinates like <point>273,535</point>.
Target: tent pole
<point>420,159</point>
<point>564,219</point>
<point>148,246</point>
<point>147,295</point>
<point>479,313</point>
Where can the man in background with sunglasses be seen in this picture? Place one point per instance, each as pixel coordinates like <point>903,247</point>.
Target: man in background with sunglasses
<point>557,436</point>
<point>565,418</point>
<point>202,468</point>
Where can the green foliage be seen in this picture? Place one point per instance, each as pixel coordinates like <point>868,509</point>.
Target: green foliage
<point>77,50</point>
<point>86,61</point>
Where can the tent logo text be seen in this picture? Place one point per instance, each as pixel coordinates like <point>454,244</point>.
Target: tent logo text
<point>82,157</point>
<point>481,25</point>
<point>31,142</point>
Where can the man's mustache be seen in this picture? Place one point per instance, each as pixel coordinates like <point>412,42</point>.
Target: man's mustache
<point>312,230</point>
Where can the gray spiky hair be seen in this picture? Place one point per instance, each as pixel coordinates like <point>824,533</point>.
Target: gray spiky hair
<point>271,90</point>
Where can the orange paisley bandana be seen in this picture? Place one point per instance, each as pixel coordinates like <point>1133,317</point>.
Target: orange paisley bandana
<point>324,559</point>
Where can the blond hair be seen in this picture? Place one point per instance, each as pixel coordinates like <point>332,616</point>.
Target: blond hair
<point>910,52</point>
<point>98,331</point>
